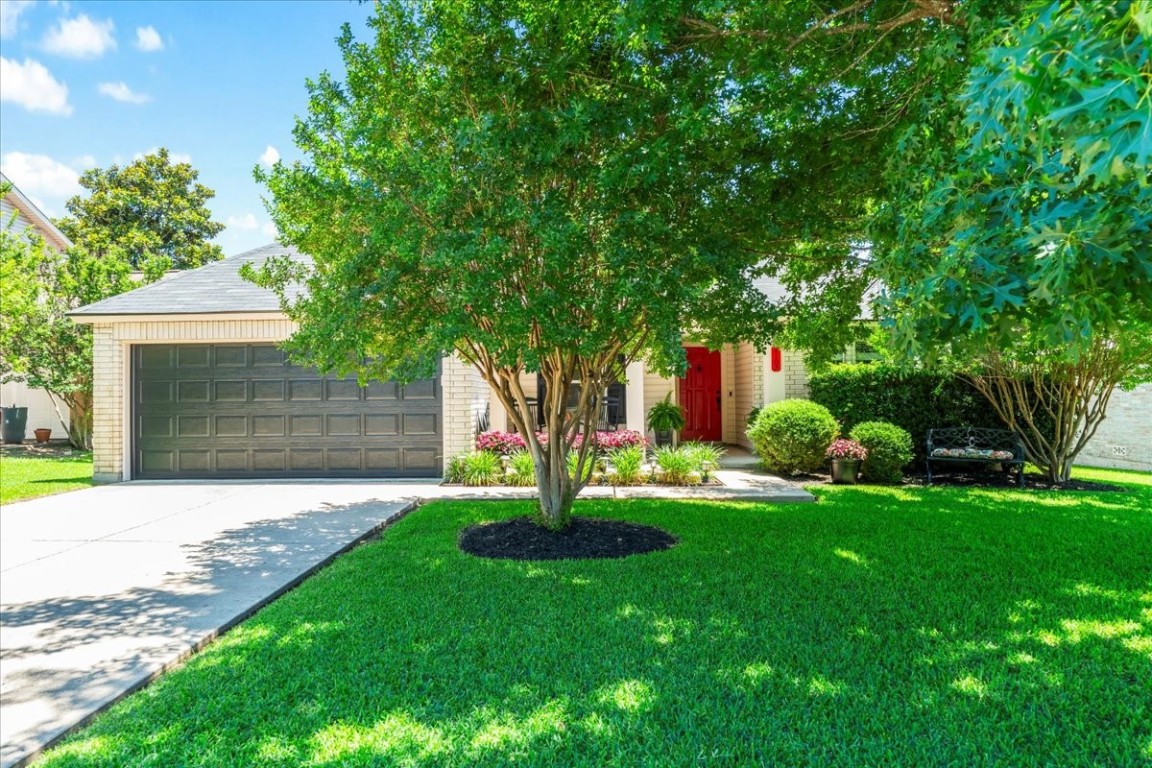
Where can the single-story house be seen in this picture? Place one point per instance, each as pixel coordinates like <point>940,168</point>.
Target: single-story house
<point>189,383</point>
<point>25,218</point>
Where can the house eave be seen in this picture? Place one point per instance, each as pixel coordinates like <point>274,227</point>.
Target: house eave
<point>88,318</point>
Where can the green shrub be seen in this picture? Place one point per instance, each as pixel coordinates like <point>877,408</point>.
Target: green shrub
<point>521,469</point>
<point>628,463</point>
<point>791,436</point>
<point>477,468</point>
<point>889,450</point>
<point>677,466</point>
<point>914,401</point>
<point>705,458</point>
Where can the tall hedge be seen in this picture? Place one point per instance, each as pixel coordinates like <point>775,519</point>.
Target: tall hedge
<point>917,401</point>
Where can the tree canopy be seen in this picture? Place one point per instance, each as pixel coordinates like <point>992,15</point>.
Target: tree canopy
<point>40,345</point>
<point>1020,240</point>
<point>153,210</point>
<point>526,187</point>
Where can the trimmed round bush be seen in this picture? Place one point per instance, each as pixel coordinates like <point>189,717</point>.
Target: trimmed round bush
<point>791,436</point>
<point>889,450</point>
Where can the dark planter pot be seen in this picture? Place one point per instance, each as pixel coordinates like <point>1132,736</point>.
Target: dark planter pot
<point>663,437</point>
<point>845,471</point>
<point>15,422</point>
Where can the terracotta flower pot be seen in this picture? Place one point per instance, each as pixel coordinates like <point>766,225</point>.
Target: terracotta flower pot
<point>42,435</point>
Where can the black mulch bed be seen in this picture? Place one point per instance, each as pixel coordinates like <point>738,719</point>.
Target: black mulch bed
<point>586,538</point>
<point>1032,482</point>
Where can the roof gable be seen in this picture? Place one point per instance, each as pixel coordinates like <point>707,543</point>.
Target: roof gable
<point>215,288</point>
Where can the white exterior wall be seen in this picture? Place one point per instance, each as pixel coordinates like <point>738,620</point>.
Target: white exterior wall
<point>41,412</point>
<point>1124,438</point>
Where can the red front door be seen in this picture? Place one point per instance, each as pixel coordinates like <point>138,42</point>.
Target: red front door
<point>700,396</point>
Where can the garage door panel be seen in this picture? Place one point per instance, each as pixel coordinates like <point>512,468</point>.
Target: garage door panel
<point>268,391</point>
<point>231,357</point>
<point>243,411</point>
<point>306,389</point>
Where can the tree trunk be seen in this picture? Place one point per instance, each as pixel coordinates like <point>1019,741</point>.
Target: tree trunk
<point>1056,406</point>
<point>563,428</point>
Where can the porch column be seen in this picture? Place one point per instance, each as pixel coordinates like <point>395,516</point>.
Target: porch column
<point>775,382</point>
<point>634,396</point>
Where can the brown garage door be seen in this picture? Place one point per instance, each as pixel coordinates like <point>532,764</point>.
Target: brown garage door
<point>241,410</point>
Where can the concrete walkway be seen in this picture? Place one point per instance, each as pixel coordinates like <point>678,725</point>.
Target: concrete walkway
<point>103,589</point>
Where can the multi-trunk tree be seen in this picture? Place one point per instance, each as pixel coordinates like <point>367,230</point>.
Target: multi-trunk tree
<point>533,188</point>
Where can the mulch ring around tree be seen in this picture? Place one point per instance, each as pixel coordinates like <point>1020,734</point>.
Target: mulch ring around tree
<point>586,538</point>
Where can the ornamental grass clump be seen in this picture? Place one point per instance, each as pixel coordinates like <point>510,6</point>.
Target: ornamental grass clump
<point>889,450</point>
<point>476,469</point>
<point>846,449</point>
<point>521,470</point>
<point>791,436</point>
<point>676,467</point>
<point>705,458</point>
<point>627,464</point>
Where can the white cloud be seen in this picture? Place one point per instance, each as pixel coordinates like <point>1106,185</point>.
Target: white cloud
<point>84,162</point>
<point>247,221</point>
<point>41,178</point>
<point>80,38</point>
<point>121,92</point>
<point>270,156</point>
<point>32,86</point>
<point>270,229</point>
<point>10,11</point>
<point>148,39</point>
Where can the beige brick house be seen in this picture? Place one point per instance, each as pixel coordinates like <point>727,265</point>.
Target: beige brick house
<point>189,383</point>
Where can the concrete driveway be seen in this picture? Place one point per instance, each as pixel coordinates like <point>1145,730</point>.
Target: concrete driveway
<point>103,589</point>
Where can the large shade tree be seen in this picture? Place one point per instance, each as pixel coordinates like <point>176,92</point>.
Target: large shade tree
<point>532,187</point>
<point>152,211</point>
<point>1019,234</point>
<point>39,344</point>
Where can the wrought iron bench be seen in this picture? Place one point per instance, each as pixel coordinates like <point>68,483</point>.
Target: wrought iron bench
<point>976,445</point>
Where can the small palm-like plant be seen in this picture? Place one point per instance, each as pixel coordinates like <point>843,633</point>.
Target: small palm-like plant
<point>521,469</point>
<point>705,458</point>
<point>676,467</point>
<point>628,463</point>
<point>481,468</point>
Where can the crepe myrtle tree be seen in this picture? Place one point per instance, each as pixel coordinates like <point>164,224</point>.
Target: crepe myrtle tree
<point>1021,224</point>
<point>530,187</point>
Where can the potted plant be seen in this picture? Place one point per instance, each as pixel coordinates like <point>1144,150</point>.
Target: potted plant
<point>42,434</point>
<point>846,457</point>
<point>664,418</point>
<point>15,421</point>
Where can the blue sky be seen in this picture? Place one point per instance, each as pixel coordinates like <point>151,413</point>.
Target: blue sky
<point>216,82</point>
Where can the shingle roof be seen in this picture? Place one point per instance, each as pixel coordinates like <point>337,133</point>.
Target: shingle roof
<point>210,289</point>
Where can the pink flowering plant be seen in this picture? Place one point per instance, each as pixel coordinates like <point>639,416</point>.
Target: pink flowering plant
<point>510,442</point>
<point>846,449</point>
<point>500,442</point>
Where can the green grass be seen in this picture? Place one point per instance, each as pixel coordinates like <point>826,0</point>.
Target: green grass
<point>26,477</point>
<point>881,626</point>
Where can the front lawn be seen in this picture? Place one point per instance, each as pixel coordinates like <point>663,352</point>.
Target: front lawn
<point>29,476</point>
<point>881,626</point>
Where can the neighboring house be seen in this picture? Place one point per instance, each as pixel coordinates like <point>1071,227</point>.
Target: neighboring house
<point>189,383</point>
<point>27,219</point>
